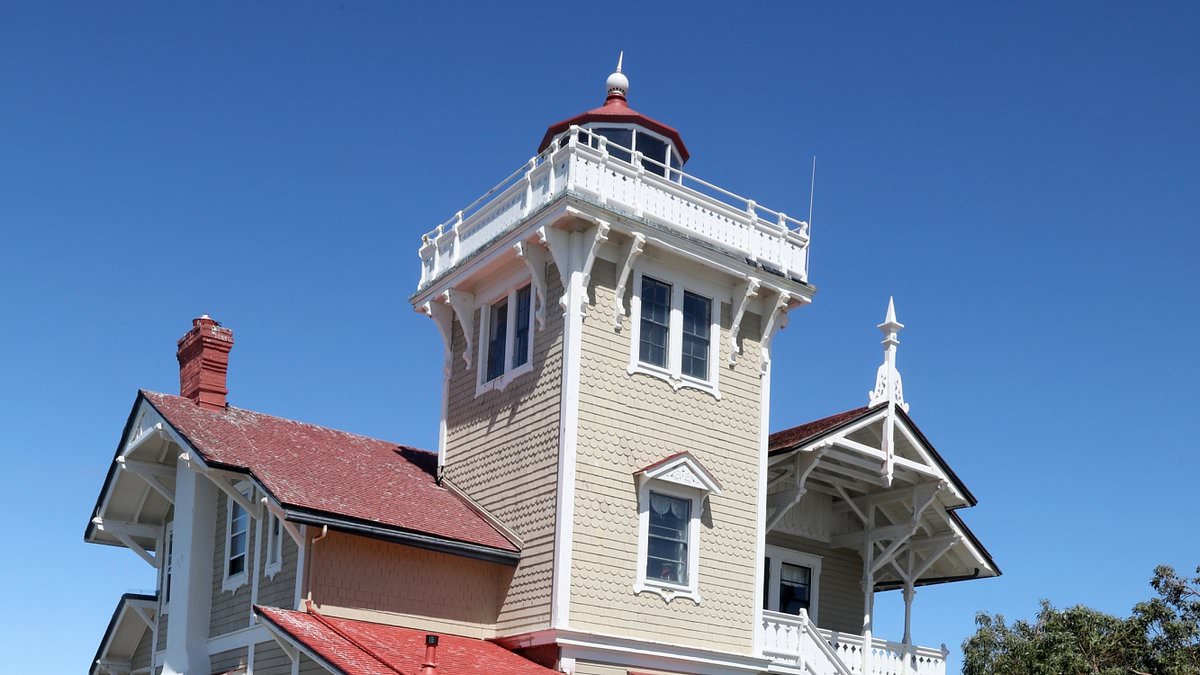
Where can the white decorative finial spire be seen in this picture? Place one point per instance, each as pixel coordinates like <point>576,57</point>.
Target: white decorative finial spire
<point>617,84</point>
<point>888,387</point>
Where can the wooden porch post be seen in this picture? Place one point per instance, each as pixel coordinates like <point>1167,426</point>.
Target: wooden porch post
<point>868,589</point>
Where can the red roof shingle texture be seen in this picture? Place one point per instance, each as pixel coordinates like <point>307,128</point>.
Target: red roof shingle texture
<point>324,470</point>
<point>362,648</point>
<point>789,438</point>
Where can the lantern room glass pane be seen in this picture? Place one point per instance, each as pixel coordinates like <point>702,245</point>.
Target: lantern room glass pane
<point>655,149</point>
<point>617,136</point>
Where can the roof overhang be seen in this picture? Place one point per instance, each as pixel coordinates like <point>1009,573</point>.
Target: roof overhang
<point>890,487</point>
<point>135,614</point>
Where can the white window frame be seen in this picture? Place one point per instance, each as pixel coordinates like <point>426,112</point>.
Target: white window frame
<point>165,567</point>
<point>274,546</point>
<point>506,289</point>
<point>235,581</point>
<point>780,555</point>
<point>673,372</point>
<point>683,477</point>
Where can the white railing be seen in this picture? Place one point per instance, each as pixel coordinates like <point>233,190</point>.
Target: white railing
<point>585,165</point>
<point>793,641</point>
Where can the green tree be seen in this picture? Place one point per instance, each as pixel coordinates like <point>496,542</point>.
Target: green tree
<point>1160,637</point>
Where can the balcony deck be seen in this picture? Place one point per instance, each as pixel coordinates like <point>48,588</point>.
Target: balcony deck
<point>587,166</point>
<point>796,645</point>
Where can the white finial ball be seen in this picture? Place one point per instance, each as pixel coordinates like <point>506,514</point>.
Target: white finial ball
<point>617,82</point>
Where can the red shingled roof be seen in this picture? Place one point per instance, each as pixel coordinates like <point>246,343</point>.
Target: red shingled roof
<point>328,471</point>
<point>790,438</point>
<point>362,648</point>
<point>616,110</point>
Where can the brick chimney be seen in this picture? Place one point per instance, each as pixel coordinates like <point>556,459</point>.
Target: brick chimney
<point>203,361</point>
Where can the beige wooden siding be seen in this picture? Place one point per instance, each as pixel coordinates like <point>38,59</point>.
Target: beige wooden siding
<point>141,655</point>
<point>373,580</point>
<point>840,595</point>
<point>628,422</point>
<point>232,660</point>
<point>269,659</point>
<point>590,668</point>
<point>230,609</point>
<point>280,589</point>
<point>502,449</point>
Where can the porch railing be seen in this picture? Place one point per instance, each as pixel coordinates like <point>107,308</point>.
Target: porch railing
<point>589,166</point>
<point>791,641</point>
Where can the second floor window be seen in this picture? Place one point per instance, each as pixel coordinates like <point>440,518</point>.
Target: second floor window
<point>274,545</point>
<point>237,541</point>
<point>507,332</point>
<point>656,322</point>
<point>675,332</point>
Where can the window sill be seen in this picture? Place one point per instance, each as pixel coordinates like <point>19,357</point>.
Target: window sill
<point>502,382</point>
<point>234,582</point>
<point>272,569</point>
<point>667,592</point>
<point>677,382</point>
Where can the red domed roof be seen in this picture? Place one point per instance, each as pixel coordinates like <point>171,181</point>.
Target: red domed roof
<point>616,109</point>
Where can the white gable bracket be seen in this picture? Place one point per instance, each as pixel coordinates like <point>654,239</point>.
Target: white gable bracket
<point>534,258</point>
<point>464,308</point>
<point>125,532</point>
<point>784,502</point>
<point>443,317</point>
<point>219,478</point>
<point>629,253</point>
<point>741,296</point>
<point>274,509</point>
<point>150,472</point>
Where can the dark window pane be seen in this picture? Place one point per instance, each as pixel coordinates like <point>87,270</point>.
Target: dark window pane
<point>497,336</point>
<point>667,554</point>
<point>621,137</point>
<point>656,313</point>
<point>795,586</point>
<point>521,332</point>
<point>654,149</point>
<point>697,322</point>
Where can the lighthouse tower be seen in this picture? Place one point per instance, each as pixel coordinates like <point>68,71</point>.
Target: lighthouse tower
<point>607,321</point>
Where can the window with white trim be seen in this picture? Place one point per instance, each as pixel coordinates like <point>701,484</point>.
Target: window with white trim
<point>274,545</point>
<point>671,496</point>
<point>237,541</point>
<point>506,337</point>
<point>791,579</point>
<point>675,331</point>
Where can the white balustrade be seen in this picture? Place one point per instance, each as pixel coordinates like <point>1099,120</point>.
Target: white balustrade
<point>583,164</point>
<point>793,641</point>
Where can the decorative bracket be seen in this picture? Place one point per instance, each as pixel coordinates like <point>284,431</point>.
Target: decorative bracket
<point>742,295</point>
<point>443,318</point>
<point>559,243</point>
<point>599,236</point>
<point>152,473</point>
<point>776,321</point>
<point>786,501</point>
<point>629,253</point>
<point>535,259</point>
<point>464,308</point>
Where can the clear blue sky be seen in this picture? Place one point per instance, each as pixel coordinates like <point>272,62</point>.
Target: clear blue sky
<point>1021,176</point>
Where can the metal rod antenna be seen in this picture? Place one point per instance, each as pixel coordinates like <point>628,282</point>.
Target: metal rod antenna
<point>811,188</point>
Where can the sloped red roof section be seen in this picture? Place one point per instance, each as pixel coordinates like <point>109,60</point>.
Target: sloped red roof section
<point>616,110</point>
<point>790,438</point>
<point>328,471</point>
<point>363,648</point>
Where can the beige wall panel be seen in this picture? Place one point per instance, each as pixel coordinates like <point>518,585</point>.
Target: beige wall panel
<point>502,449</point>
<point>586,668</point>
<point>230,609</point>
<point>372,580</point>
<point>269,659</point>
<point>840,595</point>
<point>280,590</point>
<point>628,422</point>
<point>233,660</point>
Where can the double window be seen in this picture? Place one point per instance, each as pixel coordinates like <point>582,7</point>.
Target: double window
<point>675,333</point>
<point>507,344</point>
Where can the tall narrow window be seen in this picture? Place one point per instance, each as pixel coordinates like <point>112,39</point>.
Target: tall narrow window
<point>274,545</point>
<point>520,354</point>
<point>795,588</point>
<point>170,550</point>
<point>697,320</point>
<point>238,530</point>
<point>497,339</point>
<point>656,321</point>
<point>667,558</point>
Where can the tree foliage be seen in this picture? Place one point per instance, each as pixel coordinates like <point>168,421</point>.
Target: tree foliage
<point>1160,637</point>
